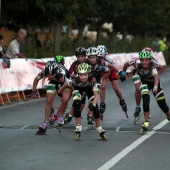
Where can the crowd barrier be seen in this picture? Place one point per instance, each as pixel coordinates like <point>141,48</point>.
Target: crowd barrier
<point>17,79</point>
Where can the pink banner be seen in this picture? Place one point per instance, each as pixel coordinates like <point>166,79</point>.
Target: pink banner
<point>21,74</point>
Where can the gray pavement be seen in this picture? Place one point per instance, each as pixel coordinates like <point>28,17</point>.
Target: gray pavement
<point>125,149</point>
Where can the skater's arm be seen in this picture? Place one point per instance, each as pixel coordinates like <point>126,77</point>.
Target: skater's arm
<point>160,69</point>
<point>125,66</point>
<point>156,80</point>
<point>106,74</point>
<point>35,82</point>
<point>112,67</point>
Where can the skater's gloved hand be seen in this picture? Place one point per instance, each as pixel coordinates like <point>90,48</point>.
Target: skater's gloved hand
<point>155,89</point>
<point>34,93</point>
<point>123,79</point>
<point>122,75</point>
<point>92,107</point>
<point>59,94</point>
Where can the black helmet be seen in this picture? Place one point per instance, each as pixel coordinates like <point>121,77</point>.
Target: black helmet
<point>80,51</point>
<point>59,59</point>
<point>51,68</point>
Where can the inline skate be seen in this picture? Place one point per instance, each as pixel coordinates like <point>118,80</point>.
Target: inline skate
<point>42,128</point>
<point>101,132</point>
<point>124,107</point>
<point>144,129</point>
<point>53,118</point>
<point>102,109</point>
<point>67,118</point>
<point>90,121</point>
<point>137,114</point>
<point>78,131</point>
<point>60,122</point>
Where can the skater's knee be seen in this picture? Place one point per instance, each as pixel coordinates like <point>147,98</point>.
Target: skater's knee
<point>77,108</point>
<point>95,110</point>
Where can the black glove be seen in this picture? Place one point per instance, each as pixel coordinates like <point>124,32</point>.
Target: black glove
<point>59,94</point>
<point>122,75</point>
<point>122,79</point>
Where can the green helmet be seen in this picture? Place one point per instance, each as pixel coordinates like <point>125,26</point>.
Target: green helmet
<point>145,54</point>
<point>59,59</point>
<point>83,68</point>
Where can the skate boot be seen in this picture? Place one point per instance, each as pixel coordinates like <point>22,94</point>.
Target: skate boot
<point>101,132</point>
<point>67,118</point>
<point>102,109</point>
<point>42,128</point>
<point>137,114</point>
<point>60,122</point>
<point>52,111</point>
<point>78,131</point>
<point>145,126</point>
<point>124,107</point>
<point>90,121</point>
<point>53,119</point>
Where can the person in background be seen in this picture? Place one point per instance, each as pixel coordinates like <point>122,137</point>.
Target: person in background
<point>1,47</point>
<point>15,47</point>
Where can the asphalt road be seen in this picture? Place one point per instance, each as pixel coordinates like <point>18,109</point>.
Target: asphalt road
<point>21,149</point>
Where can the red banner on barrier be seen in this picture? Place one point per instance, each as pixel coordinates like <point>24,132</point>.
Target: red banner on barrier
<point>21,74</point>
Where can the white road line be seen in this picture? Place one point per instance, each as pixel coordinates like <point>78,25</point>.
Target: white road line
<point>117,129</point>
<point>24,127</point>
<point>132,146</point>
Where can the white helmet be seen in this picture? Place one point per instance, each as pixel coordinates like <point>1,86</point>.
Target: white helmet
<point>149,50</point>
<point>101,50</point>
<point>91,51</point>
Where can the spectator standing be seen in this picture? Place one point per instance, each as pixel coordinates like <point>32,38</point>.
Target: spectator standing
<point>15,47</point>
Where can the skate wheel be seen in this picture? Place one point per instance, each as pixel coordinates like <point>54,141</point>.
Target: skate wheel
<point>78,136</point>
<point>59,128</point>
<point>41,132</point>
<point>89,127</point>
<point>137,118</point>
<point>51,123</point>
<point>135,121</point>
<point>103,136</point>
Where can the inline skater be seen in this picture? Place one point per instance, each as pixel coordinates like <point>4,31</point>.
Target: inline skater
<point>84,82</point>
<point>113,78</point>
<point>149,81</point>
<point>56,77</point>
<point>60,61</point>
<point>80,54</point>
<point>64,101</point>
<point>137,82</point>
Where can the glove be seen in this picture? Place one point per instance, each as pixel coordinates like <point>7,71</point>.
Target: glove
<point>92,107</point>
<point>59,94</point>
<point>122,75</point>
<point>34,93</point>
<point>123,79</point>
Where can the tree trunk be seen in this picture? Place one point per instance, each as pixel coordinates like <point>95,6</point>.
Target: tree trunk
<point>112,37</point>
<point>99,34</point>
<point>80,33</point>
<point>57,37</point>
